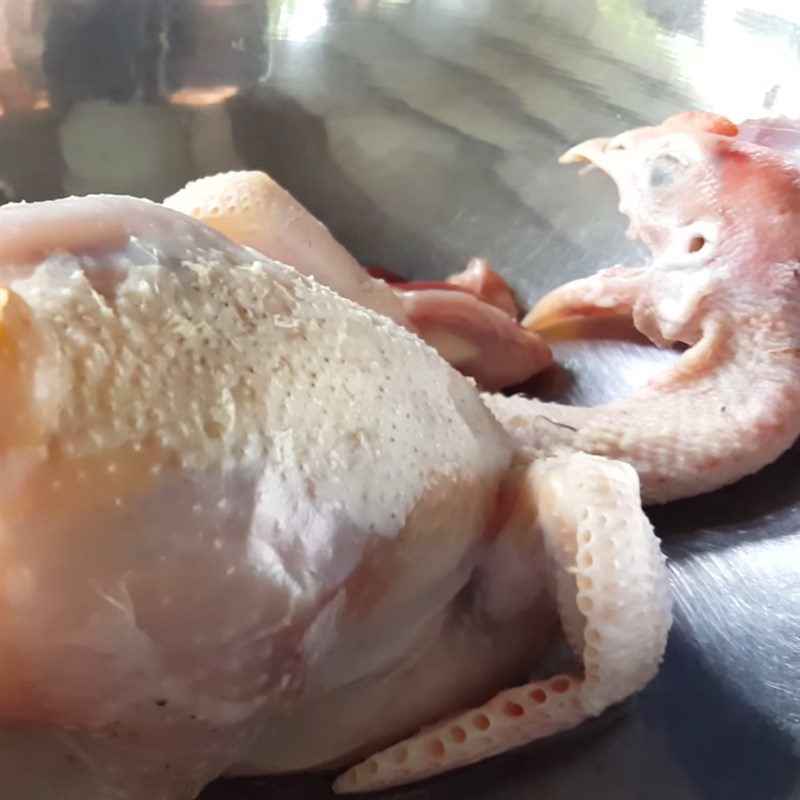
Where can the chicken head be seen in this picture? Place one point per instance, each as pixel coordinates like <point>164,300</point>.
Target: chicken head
<point>722,217</point>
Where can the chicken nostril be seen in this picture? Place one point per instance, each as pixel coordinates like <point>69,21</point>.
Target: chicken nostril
<point>697,243</point>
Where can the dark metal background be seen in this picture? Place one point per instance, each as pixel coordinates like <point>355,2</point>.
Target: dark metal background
<point>424,132</point>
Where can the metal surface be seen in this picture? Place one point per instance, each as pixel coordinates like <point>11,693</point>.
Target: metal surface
<point>425,132</point>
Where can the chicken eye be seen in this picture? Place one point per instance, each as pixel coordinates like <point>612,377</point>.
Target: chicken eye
<point>665,169</point>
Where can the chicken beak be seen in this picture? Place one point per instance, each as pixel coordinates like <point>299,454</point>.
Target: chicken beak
<point>592,151</point>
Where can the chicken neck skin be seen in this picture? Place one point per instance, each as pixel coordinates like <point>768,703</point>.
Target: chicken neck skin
<point>722,218</point>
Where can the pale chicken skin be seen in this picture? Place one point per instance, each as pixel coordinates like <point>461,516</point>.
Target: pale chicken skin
<point>242,515</point>
<point>722,217</point>
<point>477,330</point>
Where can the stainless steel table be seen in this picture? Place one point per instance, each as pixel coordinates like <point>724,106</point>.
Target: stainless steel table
<point>425,132</point>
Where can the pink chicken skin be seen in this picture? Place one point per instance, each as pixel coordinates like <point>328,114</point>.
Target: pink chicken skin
<point>722,218</point>
<point>465,328</point>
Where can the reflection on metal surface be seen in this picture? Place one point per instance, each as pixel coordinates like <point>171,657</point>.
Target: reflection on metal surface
<point>424,133</point>
<point>726,82</point>
<point>34,101</point>
<point>296,20</point>
<point>203,96</point>
<point>126,51</point>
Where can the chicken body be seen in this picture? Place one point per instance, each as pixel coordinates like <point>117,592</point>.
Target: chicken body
<point>242,514</point>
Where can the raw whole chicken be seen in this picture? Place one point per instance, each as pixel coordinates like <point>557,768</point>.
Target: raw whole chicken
<point>475,330</point>
<point>249,526</point>
<point>722,217</point>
